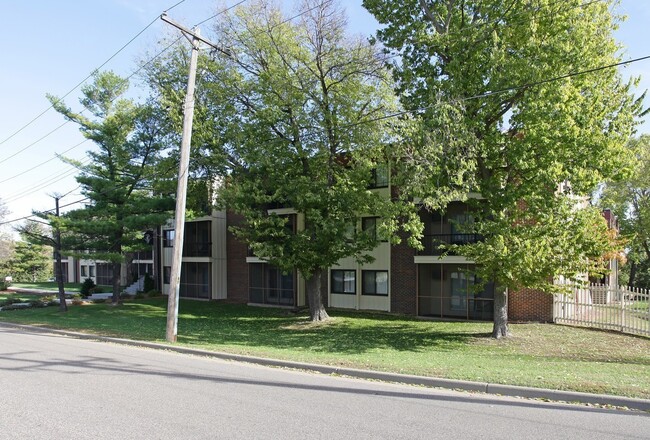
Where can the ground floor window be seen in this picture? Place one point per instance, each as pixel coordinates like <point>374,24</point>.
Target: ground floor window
<point>344,281</point>
<point>453,290</point>
<point>104,274</point>
<point>270,285</point>
<point>196,280</point>
<point>64,271</point>
<point>167,274</point>
<point>374,282</point>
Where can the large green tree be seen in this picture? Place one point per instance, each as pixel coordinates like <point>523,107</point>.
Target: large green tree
<point>120,180</point>
<point>512,100</point>
<point>296,112</point>
<point>32,260</point>
<point>629,199</point>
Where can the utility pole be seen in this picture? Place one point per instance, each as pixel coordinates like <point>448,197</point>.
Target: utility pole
<point>183,170</point>
<point>63,307</point>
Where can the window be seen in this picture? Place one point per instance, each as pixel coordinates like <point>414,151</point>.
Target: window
<point>344,281</point>
<point>370,224</point>
<point>167,274</point>
<point>374,282</point>
<point>91,271</point>
<point>84,271</point>
<point>195,280</point>
<point>168,238</point>
<point>379,176</point>
<point>197,241</point>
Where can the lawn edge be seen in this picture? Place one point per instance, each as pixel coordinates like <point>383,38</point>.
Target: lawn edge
<point>432,382</point>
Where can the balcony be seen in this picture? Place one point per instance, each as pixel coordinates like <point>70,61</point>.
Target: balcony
<point>434,243</point>
<point>197,249</point>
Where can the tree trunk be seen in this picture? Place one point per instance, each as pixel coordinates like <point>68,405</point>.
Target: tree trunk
<point>316,310</point>
<point>63,307</point>
<point>117,272</point>
<point>500,329</point>
<point>630,282</point>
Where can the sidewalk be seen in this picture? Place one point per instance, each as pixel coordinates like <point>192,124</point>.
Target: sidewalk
<point>37,291</point>
<point>483,387</point>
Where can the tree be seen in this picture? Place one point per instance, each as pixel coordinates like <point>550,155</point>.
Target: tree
<point>629,199</point>
<point>298,111</point>
<point>6,241</point>
<point>120,181</point>
<point>512,100</point>
<point>32,261</point>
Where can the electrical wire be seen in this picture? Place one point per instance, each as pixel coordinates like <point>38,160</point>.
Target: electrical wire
<point>43,163</point>
<point>87,77</point>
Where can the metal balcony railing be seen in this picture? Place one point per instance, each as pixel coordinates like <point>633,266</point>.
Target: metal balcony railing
<point>434,243</point>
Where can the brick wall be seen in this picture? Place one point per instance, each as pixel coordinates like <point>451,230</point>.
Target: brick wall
<point>530,305</point>
<point>403,279</point>
<point>237,266</point>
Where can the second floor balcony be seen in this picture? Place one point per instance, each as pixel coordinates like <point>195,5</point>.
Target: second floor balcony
<point>436,244</point>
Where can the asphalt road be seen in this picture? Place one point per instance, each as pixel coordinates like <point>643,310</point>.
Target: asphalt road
<point>55,387</point>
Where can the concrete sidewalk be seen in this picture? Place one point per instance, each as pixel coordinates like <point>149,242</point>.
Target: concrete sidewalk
<point>37,291</point>
<point>483,387</point>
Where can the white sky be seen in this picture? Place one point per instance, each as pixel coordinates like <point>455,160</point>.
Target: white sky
<point>50,46</point>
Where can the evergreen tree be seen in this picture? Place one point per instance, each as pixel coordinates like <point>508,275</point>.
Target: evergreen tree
<point>121,179</point>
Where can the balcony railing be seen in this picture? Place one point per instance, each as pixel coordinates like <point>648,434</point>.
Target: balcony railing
<point>197,249</point>
<point>434,243</point>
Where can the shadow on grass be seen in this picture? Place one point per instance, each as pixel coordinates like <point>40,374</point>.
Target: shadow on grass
<point>346,333</point>
<point>211,324</point>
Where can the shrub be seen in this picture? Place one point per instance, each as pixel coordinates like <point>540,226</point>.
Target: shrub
<point>87,287</point>
<point>39,303</point>
<point>99,301</point>
<point>4,285</point>
<point>149,284</point>
<point>139,295</point>
<point>153,293</point>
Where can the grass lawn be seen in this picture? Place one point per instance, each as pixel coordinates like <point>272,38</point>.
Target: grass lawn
<point>547,356</point>
<point>49,285</point>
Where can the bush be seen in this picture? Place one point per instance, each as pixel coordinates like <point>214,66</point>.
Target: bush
<point>149,284</point>
<point>39,303</point>
<point>4,285</point>
<point>87,287</point>
<point>139,295</point>
<point>153,293</point>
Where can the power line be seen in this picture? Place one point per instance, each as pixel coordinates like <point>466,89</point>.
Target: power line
<point>88,76</point>
<point>43,163</point>
<point>219,13</point>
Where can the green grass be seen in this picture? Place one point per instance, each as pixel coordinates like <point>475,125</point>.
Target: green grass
<point>547,356</point>
<point>49,285</point>
<point>22,297</point>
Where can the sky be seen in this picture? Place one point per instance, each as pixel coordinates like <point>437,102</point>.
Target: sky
<point>52,46</point>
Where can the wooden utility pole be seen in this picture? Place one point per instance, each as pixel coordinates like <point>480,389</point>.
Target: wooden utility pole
<point>183,169</point>
<point>63,307</point>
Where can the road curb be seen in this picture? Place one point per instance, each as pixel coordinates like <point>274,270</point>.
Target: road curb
<point>483,387</point>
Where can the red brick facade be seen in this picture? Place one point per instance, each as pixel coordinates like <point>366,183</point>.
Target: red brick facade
<point>403,279</point>
<point>530,305</point>
<point>237,266</point>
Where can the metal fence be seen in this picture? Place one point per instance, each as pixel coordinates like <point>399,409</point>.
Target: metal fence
<point>623,309</point>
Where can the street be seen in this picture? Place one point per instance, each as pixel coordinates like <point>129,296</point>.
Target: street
<point>55,387</point>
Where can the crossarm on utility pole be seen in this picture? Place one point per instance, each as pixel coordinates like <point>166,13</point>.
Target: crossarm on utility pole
<point>195,34</point>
